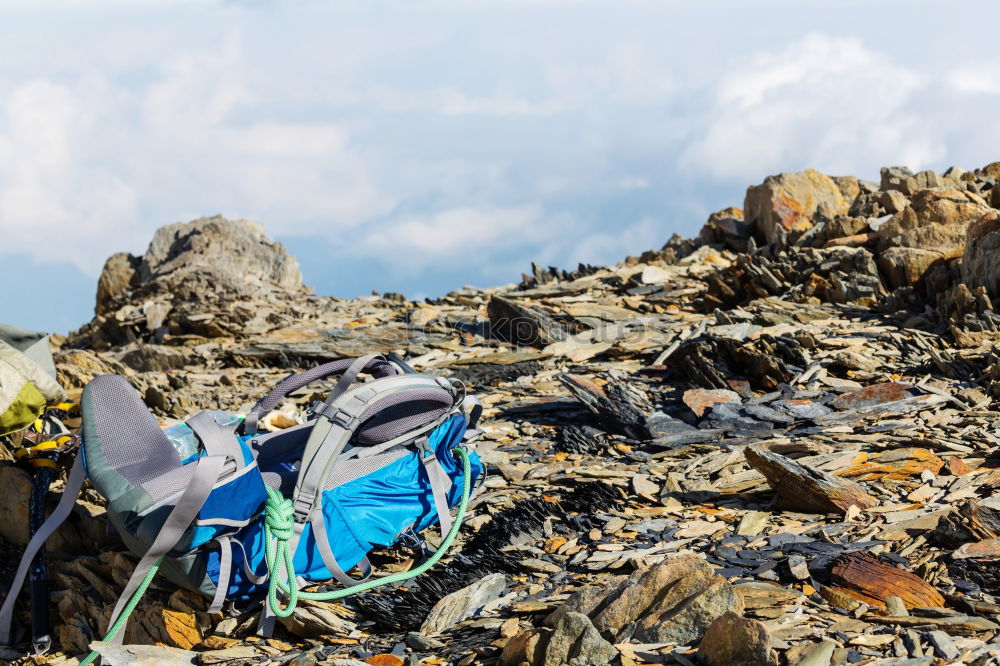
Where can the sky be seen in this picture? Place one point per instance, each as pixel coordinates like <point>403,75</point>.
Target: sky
<point>417,147</point>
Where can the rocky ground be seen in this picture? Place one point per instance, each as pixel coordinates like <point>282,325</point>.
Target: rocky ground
<point>774,444</point>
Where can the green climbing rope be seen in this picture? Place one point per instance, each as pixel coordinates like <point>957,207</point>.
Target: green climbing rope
<point>123,616</point>
<point>278,524</point>
<point>278,530</point>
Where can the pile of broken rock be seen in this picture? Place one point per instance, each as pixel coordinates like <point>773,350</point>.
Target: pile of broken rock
<point>773,444</point>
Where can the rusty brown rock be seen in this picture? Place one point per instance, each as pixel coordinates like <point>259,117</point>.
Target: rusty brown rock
<point>702,400</point>
<point>892,465</point>
<point>875,394</point>
<point>786,202</point>
<point>803,488</point>
<point>957,466</point>
<point>732,640</point>
<point>862,576</point>
<point>988,548</point>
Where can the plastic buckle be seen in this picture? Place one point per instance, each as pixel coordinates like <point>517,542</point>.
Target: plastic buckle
<point>339,416</point>
<point>342,418</point>
<point>302,507</point>
<point>423,446</point>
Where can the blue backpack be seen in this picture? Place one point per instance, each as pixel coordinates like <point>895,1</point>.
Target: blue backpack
<point>237,514</point>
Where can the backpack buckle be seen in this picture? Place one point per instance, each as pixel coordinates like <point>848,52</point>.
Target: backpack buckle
<point>337,415</point>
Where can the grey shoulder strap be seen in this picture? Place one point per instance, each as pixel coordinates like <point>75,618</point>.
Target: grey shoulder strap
<point>63,509</point>
<point>348,377</point>
<point>178,520</point>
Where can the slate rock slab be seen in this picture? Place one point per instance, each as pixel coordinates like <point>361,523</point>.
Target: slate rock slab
<point>463,604</point>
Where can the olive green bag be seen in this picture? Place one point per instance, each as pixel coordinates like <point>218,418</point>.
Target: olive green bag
<point>27,377</point>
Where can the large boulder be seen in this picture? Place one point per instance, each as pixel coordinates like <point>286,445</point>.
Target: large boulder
<point>788,201</point>
<point>235,255</point>
<point>930,228</point>
<point>210,277</point>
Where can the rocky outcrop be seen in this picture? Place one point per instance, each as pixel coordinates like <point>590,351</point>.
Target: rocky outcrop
<point>931,227</point>
<point>211,277</point>
<point>981,256</point>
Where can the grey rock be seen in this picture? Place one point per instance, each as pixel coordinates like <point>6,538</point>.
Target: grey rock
<point>944,646</point>
<point>671,602</point>
<point>156,358</point>
<point>117,277</point>
<point>523,324</point>
<point>798,568</point>
<point>316,618</point>
<point>898,178</point>
<point>819,654</point>
<point>575,641</point>
<point>235,253</point>
<point>981,257</point>
<point>463,604</point>
<point>418,641</point>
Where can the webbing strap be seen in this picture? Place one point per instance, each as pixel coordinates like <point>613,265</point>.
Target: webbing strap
<point>225,573</point>
<point>73,484</point>
<point>318,523</point>
<point>348,377</point>
<point>440,484</point>
<point>217,440</point>
<point>180,518</point>
<point>247,571</point>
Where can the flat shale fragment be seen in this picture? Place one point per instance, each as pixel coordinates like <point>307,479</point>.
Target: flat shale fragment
<point>803,488</point>
<point>615,404</point>
<point>700,400</point>
<point>894,465</point>
<point>522,324</point>
<point>464,603</point>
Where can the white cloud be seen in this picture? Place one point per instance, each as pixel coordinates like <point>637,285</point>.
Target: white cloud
<point>821,101</point>
<point>460,236</point>
<point>976,79</point>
